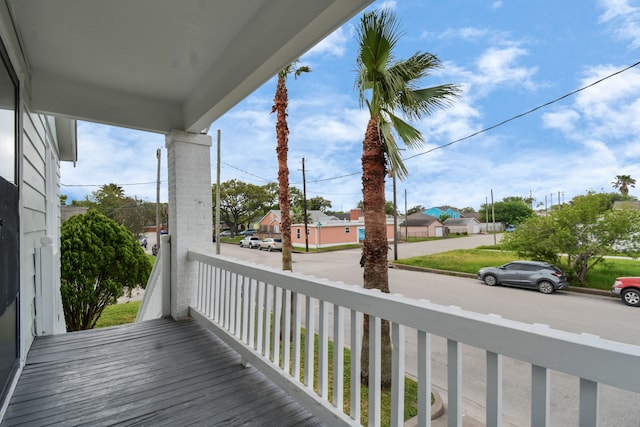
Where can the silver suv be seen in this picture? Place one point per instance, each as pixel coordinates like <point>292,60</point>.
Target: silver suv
<point>545,277</point>
<point>250,242</point>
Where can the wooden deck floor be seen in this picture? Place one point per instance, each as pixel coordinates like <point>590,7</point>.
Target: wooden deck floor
<point>155,373</point>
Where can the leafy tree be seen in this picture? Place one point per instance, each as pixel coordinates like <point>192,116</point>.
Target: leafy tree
<point>297,198</point>
<point>623,182</point>
<point>272,190</point>
<point>416,209</point>
<point>240,202</point>
<point>318,203</point>
<point>442,218</point>
<point>63,199</point>
<point>387,85</point>
<point>534,239</point>
<point>388,207</point>
<point>511,210</point>
<point>585,230</point>
<point>280,104</point>
<point>112,201</point>
<point>100,260</point>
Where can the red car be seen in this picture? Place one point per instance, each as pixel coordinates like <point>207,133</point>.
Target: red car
<point>629,290</point>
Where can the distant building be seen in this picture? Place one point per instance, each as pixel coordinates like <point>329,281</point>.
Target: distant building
<point>421,225</point>
<point>437,212</point>
<point>323,230</point>
<point>67,212</point>
<point>462,225</point>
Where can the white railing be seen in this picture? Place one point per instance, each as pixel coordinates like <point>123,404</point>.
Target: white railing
<point>156,301</point>
<point>253,307</point>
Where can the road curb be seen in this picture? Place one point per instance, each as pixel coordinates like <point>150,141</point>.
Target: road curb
<point>437,410</point>
<point>589,291</point>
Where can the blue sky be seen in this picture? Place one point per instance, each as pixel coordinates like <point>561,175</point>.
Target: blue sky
<point>508,57</point>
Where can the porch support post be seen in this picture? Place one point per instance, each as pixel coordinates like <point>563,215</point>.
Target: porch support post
<point>190,212</point>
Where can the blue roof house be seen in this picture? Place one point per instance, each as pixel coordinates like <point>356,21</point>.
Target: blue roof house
<point>437,212</point>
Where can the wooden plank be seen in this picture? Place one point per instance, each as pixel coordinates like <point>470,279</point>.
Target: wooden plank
<point>159,372</point>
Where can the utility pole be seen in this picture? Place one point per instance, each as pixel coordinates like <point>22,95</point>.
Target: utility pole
<point>406,218</point>
<point>493,215</point>
<point>158,225</point>
<point>486,213</point>
<point>218,198</point>
<point>395,219</point>
<point>304,204</point>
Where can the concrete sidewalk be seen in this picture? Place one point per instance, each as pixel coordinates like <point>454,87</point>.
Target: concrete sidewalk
<point>439,416</point>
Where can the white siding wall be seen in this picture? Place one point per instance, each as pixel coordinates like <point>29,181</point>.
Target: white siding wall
<point>39,192</point>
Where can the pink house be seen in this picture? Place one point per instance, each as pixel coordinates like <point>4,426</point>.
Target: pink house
<point>324,230</point>
<point>421,225</point>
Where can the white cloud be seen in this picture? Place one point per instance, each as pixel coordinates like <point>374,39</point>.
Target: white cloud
<point>388,4</point>
<point>115,155</point>
<point>564,120</point>
<point>623,19</point>
<point>498,66</point>
<point>334,44</point>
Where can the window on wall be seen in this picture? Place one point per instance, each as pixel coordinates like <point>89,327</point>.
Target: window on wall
<point>347,230</point>
<point>8,107</point>
<point>297,233</point>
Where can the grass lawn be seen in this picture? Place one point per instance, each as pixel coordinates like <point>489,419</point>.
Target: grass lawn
<point>471,260</point>
<point>118,314</point>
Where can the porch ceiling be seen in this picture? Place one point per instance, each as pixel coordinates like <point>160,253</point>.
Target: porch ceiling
<point>158,65</point>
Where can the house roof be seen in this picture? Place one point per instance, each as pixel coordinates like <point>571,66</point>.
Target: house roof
<point>419,219</point>
<point>314,216</point>
<point>460,221</point>
<point>159,65</point>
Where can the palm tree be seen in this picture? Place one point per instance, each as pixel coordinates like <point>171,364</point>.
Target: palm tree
<point>623,182</point>
<point>387,85</point>
<point>110,190</point>
<point>280,104</point>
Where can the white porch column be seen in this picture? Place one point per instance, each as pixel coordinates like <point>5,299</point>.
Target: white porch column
<point>190,212</point>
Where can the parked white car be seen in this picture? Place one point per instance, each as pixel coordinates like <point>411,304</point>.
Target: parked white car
<point>250,242</point>
<point>270,244</point>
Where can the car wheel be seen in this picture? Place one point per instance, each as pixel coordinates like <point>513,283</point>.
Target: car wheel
<point>631,297</point>
<point>545,287</point>
<point>490,280</point>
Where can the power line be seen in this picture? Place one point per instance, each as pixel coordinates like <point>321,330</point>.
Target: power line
<point>487,129</point>
<point>546,104</point>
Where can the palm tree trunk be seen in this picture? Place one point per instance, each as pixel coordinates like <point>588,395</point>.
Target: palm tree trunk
<point>281,101</point>
<point>375,242</point>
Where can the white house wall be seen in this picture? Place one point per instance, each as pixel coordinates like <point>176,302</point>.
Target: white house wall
<point>39,215</point>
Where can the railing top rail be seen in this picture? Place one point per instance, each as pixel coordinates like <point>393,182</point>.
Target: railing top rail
<point>582,355</point>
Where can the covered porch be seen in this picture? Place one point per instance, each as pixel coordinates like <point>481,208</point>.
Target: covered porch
<point>234,347</point>
<point>158,372</point>
<point>246,334</point>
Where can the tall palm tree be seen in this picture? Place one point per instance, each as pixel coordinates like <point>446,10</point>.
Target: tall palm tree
<point>623,182</point>
<point>386,85</point>
<point>280,104</point>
